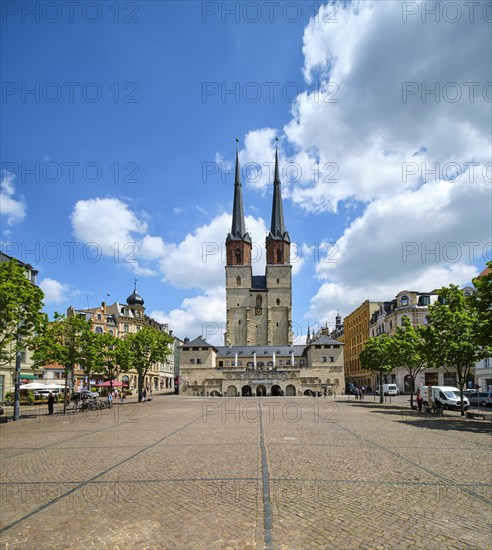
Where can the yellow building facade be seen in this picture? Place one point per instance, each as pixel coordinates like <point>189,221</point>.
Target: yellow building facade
<point>356,333</point>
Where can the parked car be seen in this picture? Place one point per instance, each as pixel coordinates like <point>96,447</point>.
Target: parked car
<point>85,394</point>
<point>349,388</point>
<point>447,397</point>
<point>483,399</point>
<point>389,389</point>
<point>45,393</point>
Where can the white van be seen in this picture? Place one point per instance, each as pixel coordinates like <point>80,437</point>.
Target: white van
<point>447,396</point>
<point>389,389</point>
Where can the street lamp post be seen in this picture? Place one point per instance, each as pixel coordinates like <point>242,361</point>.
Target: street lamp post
<point>17,384</point>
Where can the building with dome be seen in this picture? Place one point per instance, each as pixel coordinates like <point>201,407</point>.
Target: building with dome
<point>120,319</point>
<point>259,356</point>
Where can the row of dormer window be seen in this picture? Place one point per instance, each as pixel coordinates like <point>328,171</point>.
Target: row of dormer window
<point>330,346</point>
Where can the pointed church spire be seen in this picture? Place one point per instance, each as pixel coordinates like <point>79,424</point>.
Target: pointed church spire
<point>238,228</point>
<point>277,228</point>
<point>276,178</point>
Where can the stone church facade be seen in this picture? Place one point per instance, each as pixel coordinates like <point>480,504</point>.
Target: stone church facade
<point>259,357</point>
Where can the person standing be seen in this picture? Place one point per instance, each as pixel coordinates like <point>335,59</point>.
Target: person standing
<point>51,402</point>
<point>144,395</point>
<point>110,399</point>
<point>419,400</point>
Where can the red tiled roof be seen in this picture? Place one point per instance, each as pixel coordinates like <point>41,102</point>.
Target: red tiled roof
<point>486,271</point>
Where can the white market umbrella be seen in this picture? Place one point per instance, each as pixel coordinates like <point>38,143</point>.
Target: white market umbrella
<point>54,387</point>
<point>32,386</point>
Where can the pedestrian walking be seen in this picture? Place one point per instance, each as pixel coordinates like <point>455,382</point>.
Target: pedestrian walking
<point>51,402</point>
<point>356,392</point>
<point>361,392</point>
<point>110,399</point>
<point>419,400</point>
<point>324,393</point>
<point>144,395</point>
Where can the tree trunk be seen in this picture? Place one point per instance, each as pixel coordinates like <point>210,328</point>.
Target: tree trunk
<point>462,381</point>
<point>462,404</point>
<point>412,390</point>
<point>381,396</point>
<point>140,387</point>
<point>65,393</point>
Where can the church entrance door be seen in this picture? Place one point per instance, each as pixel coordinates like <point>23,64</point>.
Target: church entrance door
<point>276,390</point>
<point>290,390</point>
<point>261,391</point>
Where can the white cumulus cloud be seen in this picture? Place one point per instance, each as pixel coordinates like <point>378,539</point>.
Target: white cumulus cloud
<point>54,291</point>
<point>204,314</point>
<point>10,207</point>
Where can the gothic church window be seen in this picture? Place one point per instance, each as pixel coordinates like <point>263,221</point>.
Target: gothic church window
<point>258,301</point>
<point>279,256</point>
<point>238,255</point>
<point>238,280</point>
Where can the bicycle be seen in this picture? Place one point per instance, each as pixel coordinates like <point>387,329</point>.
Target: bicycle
<point>94,405</point>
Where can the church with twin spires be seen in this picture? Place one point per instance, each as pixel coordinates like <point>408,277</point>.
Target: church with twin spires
<point>259,356</point>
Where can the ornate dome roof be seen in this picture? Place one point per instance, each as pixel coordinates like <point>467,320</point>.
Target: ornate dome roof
<point>135,299</point>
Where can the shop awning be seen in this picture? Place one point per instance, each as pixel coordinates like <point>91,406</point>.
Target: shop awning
<point>28,376</point>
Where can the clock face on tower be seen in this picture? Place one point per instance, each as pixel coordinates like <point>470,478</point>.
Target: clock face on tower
<point>258,311</point>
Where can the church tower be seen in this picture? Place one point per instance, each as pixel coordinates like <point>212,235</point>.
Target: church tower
<point>278,271</point>
<point>259,308</point>
<point>238,270</point>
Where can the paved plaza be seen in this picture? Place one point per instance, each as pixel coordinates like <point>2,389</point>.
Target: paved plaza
<point>280,473</point>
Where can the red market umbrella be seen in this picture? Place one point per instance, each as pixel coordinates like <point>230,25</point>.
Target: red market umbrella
<point>107,384</point>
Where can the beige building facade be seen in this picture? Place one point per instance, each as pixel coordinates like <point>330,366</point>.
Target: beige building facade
<point>414,306</point>
<point>120,320</point>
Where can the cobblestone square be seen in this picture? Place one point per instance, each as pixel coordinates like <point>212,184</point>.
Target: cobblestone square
<point>242,473</point>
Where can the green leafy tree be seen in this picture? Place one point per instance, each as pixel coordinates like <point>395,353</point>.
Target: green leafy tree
<point>20,318</point>
<point>141,350</point>
<point>62,342</point>
<point>482,303</point>
<point>114,357</point>
<point>91,353</point>
<point>376,357</point>
<point>407,350</point>
<point>20,306</point>
<point>452,337</point>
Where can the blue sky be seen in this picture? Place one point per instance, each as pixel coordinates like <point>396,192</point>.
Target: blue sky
<point>113,168</point>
